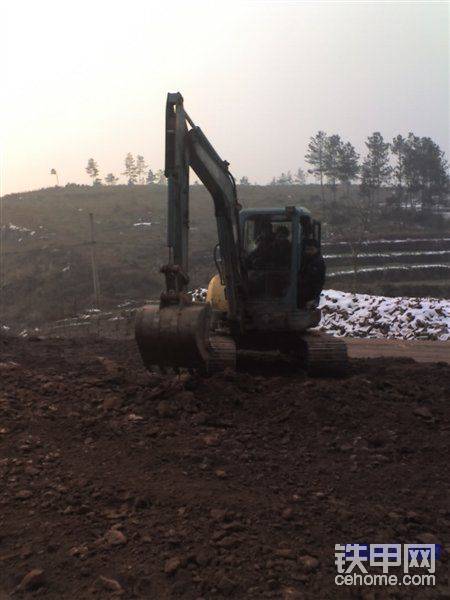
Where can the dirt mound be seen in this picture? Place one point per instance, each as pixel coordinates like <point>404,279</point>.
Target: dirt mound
<point>117,482</point>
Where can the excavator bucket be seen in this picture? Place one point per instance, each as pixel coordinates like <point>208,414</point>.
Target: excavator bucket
<point>180,336</point>
<point>174,335</point>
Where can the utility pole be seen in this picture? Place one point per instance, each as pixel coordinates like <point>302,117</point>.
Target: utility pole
<point>94,263</point>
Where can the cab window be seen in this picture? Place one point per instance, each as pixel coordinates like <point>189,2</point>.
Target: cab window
<point>268,251</point>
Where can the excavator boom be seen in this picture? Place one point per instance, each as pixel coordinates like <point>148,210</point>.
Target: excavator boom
<point>177,331</point>
<point>187,146</point>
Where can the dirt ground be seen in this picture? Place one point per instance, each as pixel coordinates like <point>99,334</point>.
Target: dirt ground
<point>115,482</point>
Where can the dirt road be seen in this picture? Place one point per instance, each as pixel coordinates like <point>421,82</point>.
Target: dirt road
<point>120,483</point>
<point>421,351</point>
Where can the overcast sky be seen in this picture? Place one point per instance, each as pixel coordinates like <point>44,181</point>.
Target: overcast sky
<point>89,78</point>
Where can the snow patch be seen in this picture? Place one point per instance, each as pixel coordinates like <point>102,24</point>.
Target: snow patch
<point>363,315</point>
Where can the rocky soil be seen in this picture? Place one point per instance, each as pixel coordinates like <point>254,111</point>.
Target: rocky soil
<point>118,483</point>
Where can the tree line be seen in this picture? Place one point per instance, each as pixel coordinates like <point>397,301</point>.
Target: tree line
<point>414,167</point>
<point>136,171</point>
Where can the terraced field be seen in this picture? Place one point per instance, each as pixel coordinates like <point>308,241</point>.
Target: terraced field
<point>392,267</point>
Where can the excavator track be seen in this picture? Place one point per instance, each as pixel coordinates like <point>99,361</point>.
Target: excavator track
<point>325,356</point>
<point>222,353</point>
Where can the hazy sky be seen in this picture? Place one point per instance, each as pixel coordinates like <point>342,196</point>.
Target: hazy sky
<point>89,78</point>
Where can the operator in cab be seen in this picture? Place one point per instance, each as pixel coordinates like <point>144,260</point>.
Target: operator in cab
<point>282,247</point>
<point>311,276</point>
<point>273,249</point>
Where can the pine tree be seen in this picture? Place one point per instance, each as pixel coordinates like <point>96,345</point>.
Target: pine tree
<point>150,177</point>
<point>316,157</point>
<point>426,170</point>
<point>376,170</point>
<point>332,150</point>
<point>130,169</point>
<point>141,168</point>
<point>399,149</point>
<point>92,170</point>
<point>348,167</point>
<point>111,179</point>
<point>283,179</point>
<point>300,177</point>
<point>160,178</point>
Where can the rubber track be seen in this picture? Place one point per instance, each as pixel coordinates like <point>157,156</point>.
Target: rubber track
<point>222,353</point>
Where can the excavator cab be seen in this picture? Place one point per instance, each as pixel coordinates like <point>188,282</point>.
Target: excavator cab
<point>273,239</point>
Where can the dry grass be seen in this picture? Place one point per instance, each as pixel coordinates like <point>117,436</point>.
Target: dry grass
<point>47,276</point>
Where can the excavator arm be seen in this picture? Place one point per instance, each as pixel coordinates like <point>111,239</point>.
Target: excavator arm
<point>187,146</point>
<point>178,332</point>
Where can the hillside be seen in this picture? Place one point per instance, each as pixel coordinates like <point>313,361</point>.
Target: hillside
<point>46,261</point>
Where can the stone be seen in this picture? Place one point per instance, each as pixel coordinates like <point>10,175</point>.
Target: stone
<point>424,412</point>
<point>32,471</point>
<point>111,584</point>
<point>229,541</point>
<point>32,580</point>
<point>24,494</point>
<point>211,440</point>
<point>79,551</point>
<point>172,565</point>
<point>309,563</point>
<point>114,537</point>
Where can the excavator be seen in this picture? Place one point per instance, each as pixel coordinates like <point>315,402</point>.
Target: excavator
<point>253,303</point>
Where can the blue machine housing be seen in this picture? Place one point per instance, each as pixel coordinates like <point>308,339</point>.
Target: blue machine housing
<point>303,226</point>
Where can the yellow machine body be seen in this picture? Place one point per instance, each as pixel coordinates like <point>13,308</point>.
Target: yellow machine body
<point>216,295</point>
